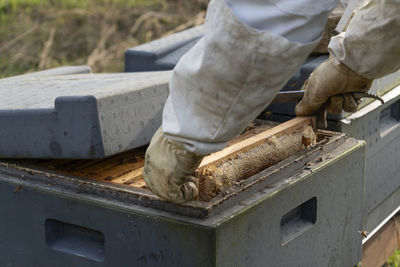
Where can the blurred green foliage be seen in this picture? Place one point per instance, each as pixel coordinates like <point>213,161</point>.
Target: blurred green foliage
<point>394,260</point>
<point>8,8</point>
<point>40,34</point>
<point>17,5</point>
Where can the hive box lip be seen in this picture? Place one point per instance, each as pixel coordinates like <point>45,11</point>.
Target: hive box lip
<point>267,181</point>
<point>40,92</point>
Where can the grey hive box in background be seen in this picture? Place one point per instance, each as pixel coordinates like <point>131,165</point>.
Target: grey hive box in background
<point>67,70</point>
<point>79,116</point>
<point>162,54</point>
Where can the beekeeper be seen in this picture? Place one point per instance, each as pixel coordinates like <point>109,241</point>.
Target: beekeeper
<point>249,50</point>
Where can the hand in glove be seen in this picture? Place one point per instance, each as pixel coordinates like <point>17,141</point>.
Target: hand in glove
<point>168,169</point>
<point>332,83</point>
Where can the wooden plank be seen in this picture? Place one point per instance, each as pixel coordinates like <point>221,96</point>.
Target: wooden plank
<point>282,129</point>
<point>117,169</point>
<point>139,184</point>
<point>133,176</point>
<point>256,127</point>
<point>382,244</point>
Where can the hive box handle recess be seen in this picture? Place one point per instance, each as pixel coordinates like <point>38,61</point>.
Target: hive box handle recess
<point>75,240</point>
<point>298,220</point>
<point>389,118</point>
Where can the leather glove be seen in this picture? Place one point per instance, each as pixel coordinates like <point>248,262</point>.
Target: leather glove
<point>168,169</point>
<point>332,83</point>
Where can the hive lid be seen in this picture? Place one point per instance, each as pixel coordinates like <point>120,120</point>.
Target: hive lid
<point>79,116</point>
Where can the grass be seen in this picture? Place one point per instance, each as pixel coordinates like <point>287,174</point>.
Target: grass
<point>394,260</point>
<point>41,34</point>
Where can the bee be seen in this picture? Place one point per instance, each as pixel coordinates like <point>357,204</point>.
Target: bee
<point>17,189</point>
<point>306,142</point>
<point>363,233</point>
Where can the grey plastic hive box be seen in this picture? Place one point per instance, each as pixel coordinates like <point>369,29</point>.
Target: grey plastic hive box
<point>79,116</point>
<point>379,126</point>
<point>302,216</point>
<point>67,70</point>
<point>162,54</point>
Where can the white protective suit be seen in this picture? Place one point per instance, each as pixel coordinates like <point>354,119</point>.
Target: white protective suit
<point>371,45</point>
<point>369,49</point>
<point>235,70</point>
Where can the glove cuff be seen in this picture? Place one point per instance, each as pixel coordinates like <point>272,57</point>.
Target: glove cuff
<point>169,168</point>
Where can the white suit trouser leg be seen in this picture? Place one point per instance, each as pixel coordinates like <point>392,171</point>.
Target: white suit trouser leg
<point>229,77</point>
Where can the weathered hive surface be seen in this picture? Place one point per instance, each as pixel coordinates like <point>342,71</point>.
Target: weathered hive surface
<point>83,116</point>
